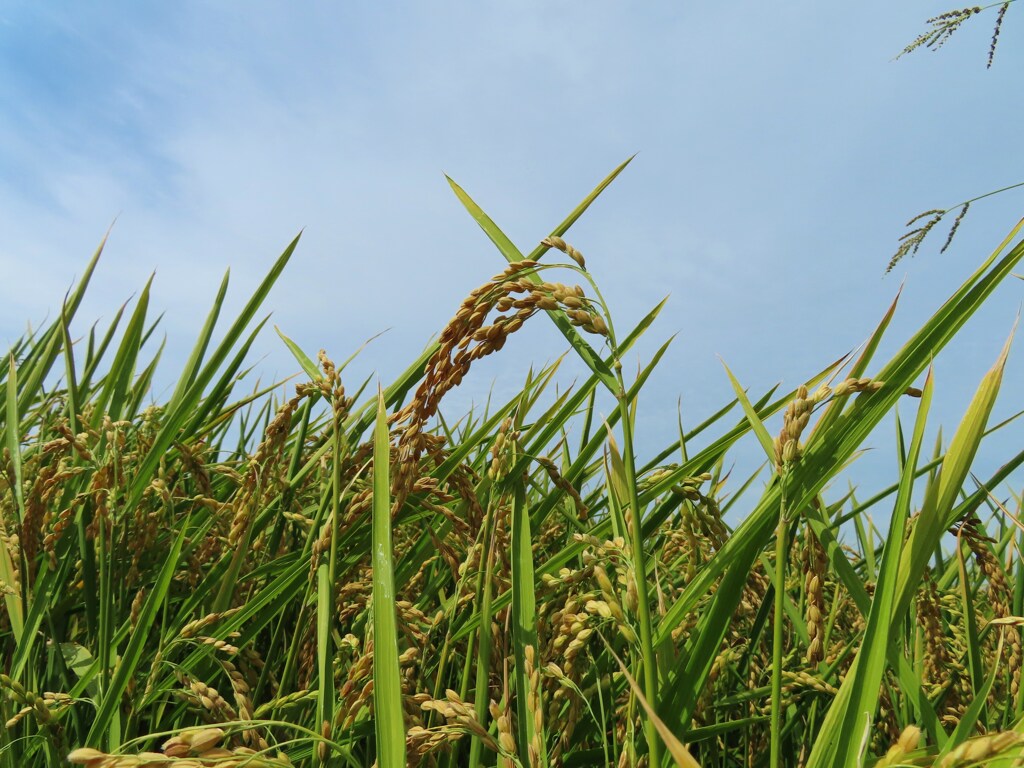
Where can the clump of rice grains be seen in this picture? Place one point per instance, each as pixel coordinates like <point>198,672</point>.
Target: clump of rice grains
<point>461,718</point>
<point>534,706</point>
<point>929,617</point>
<point>194,748</point>
<point>787,444</point>
<point>45,710</point>
<point>265,473</point>
<point>815,564</point>
<point>798,414</point>
<point>553,241</point>
<point>505,739</point>
<point>468,337</point>
<point>983,749</point>
<point>1000,599</point>
<point>562,484</point>
<point>501,453</point>
<point>907,742</point>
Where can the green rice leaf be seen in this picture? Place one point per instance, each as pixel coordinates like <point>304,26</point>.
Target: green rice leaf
<point>936,511</point>
<point>387,687</point>
<point>524,619</point>
<point>308,366</point>
<point>755,421</point>
<point>852,712</point>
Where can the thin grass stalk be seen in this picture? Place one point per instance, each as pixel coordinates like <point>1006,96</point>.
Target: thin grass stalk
<point>778,635</point>
<point>483,657</point>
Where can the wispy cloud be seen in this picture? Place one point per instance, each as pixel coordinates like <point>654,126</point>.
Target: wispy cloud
<point>780,152</point>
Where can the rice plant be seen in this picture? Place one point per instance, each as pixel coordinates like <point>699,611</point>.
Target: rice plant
<point>350,576</point>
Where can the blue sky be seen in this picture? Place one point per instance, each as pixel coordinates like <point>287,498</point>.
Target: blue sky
<point>781,150</point>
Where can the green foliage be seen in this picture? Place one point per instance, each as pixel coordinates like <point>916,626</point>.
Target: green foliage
<point>338,579</point>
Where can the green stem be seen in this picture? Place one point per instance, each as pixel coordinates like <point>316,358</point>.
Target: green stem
<point>994,191</point>
<point>483,667</point>
<point>781,551</point>
<point>650,673</point>
<point>326,575</point>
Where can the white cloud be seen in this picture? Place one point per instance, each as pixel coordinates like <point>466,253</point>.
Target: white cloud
<point>215,133</point>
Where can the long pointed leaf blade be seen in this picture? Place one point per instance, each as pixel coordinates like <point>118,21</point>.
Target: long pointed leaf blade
<point>858,695</point>
<point>512,254</point>
<point>387,687</point>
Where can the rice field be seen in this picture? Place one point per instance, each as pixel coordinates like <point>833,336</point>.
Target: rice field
<point>352,576</point>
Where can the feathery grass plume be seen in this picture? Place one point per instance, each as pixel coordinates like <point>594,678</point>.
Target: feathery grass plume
<point>911,241</point>
<point>995,32</point>
<point>955,227</point>
<point>945,24</point>
<point>942,28</point>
